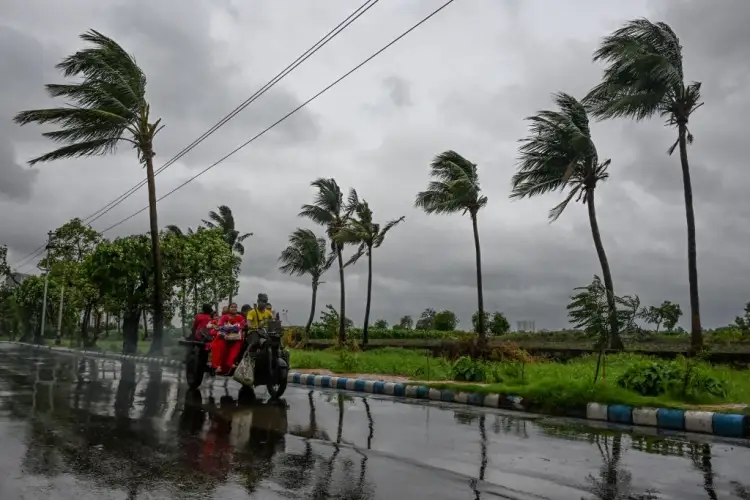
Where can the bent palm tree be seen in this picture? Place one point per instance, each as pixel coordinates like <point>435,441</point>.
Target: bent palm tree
<point>361,230</point>
<point>306,254</point>
<point>224,220</point>
<point>106,107</point>
<point>329,210</point>
<point>456,189</point>
<point>643,78</point>
<point>558,154</point>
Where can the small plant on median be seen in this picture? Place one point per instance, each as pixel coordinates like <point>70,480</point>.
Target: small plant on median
<point>688,379</point>
<point>466,369</point>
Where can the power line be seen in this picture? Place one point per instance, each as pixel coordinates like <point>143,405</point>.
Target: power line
<point>231,153</point>
<point>276,79</point>
<point>26,259</point>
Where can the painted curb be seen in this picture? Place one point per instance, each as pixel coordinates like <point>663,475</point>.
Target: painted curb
<point>703,422</point>
<point>102,354</point>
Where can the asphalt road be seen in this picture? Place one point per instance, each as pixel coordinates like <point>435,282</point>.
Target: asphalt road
<point>74,428</point>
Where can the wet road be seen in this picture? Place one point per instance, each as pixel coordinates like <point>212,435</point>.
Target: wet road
<point>99,429</point>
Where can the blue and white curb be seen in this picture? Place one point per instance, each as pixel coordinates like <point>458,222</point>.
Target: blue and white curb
<point>704,422</point>
<point>106,355</point>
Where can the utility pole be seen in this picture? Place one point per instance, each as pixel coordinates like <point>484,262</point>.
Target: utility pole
<point>46,284</point>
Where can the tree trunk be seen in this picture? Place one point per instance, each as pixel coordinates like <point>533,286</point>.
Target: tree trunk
<point>145,325</point>
<point>130,321</point>
<point>97,326</point>
<point>696,330</point>
<point>158,311</point>
<point>480,295</point>
<point>342,305</point>
<point>615,342</point>
<point>183,309</point>
<point>119,323</point>
<point>312,308</point>
<point>369,297</point>
<point>85,325</point>
<point>106,326</point>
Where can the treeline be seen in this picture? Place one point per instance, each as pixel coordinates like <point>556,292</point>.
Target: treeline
<point>89,276</point>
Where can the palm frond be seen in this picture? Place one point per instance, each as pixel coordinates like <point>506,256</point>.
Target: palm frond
<point>108,100</point>
<point>643,74</point>
<point>454,188</point>
<point>557,210</point>
<point>316,214</point>
<point>361,250</point>
<point>80,149</point>
<point>306,254</point>
<point>381,233</point>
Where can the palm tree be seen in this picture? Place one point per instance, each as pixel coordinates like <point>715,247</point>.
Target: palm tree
<point>306,254</point>
<point>361,230</point>
<point>329,210</point>
<point>225,221</point>
<point>455,188</point>
<point>106,106</point>
<point>559,153</point>
<point>643,78</point>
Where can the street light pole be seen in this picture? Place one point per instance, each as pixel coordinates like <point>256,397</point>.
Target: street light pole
<point>46,284</point>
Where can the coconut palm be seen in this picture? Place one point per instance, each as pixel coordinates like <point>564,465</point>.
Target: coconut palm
<point>560,154</point>
<point>105,106</point>
<point>643,78</point>
<point>455,188</point>
<point>224,220</point>
<point>330,211</point>
<point>306,254</point>
<point>361,230</point>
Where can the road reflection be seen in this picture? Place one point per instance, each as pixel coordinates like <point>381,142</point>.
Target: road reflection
<point>137,429</point>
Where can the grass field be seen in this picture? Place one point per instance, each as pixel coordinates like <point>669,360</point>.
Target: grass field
<point>549,384</point>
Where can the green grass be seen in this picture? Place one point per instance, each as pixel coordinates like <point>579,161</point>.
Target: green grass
<point>552,386</point>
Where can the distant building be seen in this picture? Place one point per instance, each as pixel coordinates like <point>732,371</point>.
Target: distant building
<point>15,279</point>
<point>526,326</point>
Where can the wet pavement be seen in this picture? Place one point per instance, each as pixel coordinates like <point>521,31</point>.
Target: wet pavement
<point>75,428</point>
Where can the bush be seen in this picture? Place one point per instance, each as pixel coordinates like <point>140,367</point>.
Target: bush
<point>686,378</point>
<point>465,369</point>
<point>499,324</point>
<point>650,379</point>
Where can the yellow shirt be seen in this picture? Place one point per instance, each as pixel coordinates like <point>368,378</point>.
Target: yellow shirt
<point>255,317</point>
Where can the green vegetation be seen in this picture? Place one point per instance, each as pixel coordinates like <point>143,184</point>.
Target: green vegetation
<point>549,385</point>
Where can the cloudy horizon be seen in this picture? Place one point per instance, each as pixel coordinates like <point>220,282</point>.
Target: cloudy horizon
<point>465,80</point>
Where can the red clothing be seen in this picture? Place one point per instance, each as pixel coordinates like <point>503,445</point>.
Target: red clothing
<point>232,319</point>
<point>224,352</point>
<point>200,322</point>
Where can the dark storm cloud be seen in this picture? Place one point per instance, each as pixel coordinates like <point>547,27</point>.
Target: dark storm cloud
<point>505,62</point>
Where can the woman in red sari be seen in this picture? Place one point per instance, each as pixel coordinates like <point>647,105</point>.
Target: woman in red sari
<point>224,352</point>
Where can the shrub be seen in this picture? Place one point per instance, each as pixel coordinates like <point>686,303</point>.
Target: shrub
<point>650,379</point>
<point>466,369</point>
<point>688,378</point>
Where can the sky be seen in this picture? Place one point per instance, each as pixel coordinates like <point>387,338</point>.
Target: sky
<point>465,80</point>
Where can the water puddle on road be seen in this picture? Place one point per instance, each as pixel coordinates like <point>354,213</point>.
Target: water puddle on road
<point>83,428</point>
